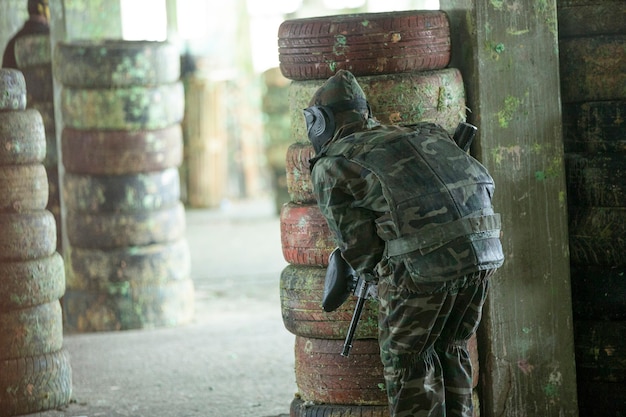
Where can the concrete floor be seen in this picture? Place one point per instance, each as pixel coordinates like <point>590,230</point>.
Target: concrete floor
<point>235,359</point>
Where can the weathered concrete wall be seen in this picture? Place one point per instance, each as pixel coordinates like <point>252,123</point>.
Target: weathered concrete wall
<point>508,53</point>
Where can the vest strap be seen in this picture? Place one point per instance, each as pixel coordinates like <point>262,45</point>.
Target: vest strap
<point>434,236</point>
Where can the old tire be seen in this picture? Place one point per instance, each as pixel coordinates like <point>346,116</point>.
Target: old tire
<point>301,291</point>
<point>12,90</point>
<point>22,137</point>
<point>594,126</point>
<point>116,63</point>
<point>597,235</point>
<point>121,193</point>
<point>30,283</point>
<point>31,331</point>
<point>101,152</point>
<point>26,236</point>
<point>35,383</point>
<point>324,376</point>
<point>597,179</point>
<point>591,17</point>
<point>439,94</point>
<point>23,188</point>
<point>305,236</point>
<point>108,230</point>
<point>593,68</point>
<point>116,270</point>
<point>130,307</point>
<point>129,108</point>
<point>365,44</point>
<point>300,408</point>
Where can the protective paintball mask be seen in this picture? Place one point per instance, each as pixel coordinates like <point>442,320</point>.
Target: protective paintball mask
<point>320,120</point>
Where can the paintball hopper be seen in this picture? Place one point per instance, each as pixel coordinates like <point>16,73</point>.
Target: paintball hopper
<point>340,282</point>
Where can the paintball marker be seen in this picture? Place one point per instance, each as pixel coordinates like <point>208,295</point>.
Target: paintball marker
<point>464,135</point>
<point>341,281</point>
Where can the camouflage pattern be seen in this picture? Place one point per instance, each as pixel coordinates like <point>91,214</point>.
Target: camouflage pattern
<point>441,223</point>
<point>423,340</point>
<point>411,210</point>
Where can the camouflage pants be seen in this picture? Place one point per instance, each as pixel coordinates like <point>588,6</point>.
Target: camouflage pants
<point>423,340</point>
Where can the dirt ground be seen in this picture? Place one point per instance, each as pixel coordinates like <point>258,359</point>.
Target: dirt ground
<point>235,359</point>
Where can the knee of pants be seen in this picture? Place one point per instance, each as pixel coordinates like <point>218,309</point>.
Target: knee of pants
<point>451,345</point>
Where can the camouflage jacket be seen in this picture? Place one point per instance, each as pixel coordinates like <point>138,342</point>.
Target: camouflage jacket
<point>410,195</point>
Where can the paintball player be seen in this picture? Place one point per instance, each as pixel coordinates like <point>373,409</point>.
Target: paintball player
<point>37,23</point>
<point>412,213</point>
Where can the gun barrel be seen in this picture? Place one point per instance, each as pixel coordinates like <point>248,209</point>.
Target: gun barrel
<point>347,345</point>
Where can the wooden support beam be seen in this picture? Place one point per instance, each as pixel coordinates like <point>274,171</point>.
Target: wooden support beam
<point>508,54</point>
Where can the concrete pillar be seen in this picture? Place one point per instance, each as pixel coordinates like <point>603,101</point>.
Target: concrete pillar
<point>508,54</point>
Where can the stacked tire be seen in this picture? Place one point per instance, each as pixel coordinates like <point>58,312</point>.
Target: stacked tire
<point>35,373</point>
<point>128,261</point>
<point>592,44</point>
<point>34,59</point>
<point>401,61</point>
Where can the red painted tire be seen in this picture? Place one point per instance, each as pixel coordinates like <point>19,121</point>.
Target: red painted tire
<point>35,383</point>
<point>106,152</point>
<point>324,376</point>
<point>365,44</point>
<point>301,290</point>
<point>299,184</point>
<point>305,237</point>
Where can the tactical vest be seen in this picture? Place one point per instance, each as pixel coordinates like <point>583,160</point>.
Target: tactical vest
<point>441,222</point>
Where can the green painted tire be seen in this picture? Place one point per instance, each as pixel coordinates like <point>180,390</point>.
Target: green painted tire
<point>116,63</point>
<point>301,291</point>
<point>397,99</point>
<point>129,108</point>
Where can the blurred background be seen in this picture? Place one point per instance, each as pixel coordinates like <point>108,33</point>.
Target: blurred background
<point>236,127</point>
